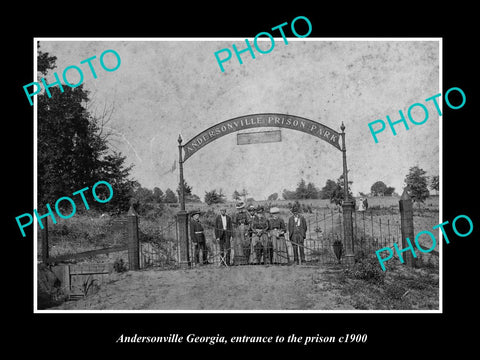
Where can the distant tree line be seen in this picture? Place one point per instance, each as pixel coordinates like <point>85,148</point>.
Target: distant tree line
<point>333,191</point>
<point>416,184</point>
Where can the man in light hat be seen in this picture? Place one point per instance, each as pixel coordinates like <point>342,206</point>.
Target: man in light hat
<point>297,230</point>
<point>259,229</point>
<point>241,239</point>
<point>277,229</point>
<point>197,236</point>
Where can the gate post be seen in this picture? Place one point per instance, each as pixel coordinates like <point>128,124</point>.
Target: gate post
<point>182,223</point>
<point>348,207</point>
<point>182,215</point>
<point>406,221</point>
<point>132,239</point>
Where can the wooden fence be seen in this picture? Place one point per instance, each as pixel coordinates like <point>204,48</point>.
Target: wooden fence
<point>127,226</point>
<point>80,279</point>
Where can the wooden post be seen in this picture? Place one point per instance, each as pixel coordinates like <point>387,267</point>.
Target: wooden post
<point>133,241</point>
<point>406,218</point>
<point>380,222</point>
<point>44,236</point>
<point>371,220</point>
<point>324,225</point>
<point>363,216</point>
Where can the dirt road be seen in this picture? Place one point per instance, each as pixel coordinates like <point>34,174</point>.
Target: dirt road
<point>218,288</point>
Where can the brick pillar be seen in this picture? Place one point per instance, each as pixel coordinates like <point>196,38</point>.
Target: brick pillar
<point>406,222</point>
<point>133,241</point>
<point>348,207</point>
<point>182,223</point>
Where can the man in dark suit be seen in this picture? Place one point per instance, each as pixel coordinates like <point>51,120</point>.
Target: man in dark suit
<point>223,233</point>
<point>198,237</point>
<point>297,230</point>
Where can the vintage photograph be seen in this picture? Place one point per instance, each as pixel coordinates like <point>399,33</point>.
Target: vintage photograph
<point>266,184</point>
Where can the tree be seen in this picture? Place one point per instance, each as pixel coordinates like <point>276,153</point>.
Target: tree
<point>142,200</point>
<point>378,188</point>
<point>236,195</point>
<point>328,190</point>
<point>45,62</point>
<point>187,190</point>
<point>389,191</point>
<point>189,197</point>
<point>170,197</point>
<point>338,195</point>
<point>272,197</point>
<point>111,168</point>
<point>158,195</point>
<point>416,182</point>
<point>289,195</point>
<point>144,195</point>
<point>193,198</point>
<point>312,191</point>
<point>214,197</point>
<point>435,182</point>
<point>73,151</point>
<point>244,193</point>
<point>145,202</point>
<point>301,190</point>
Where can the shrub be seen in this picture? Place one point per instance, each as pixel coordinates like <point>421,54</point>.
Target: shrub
<point>119,266</point>
<point>367,269</point>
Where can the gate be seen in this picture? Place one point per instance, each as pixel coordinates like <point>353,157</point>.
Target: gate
<point>324,229</point>
<point>275,120</point>
<point>161,250</point>
<point>376,228</point>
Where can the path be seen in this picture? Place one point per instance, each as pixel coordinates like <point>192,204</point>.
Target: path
<point>219,288</point>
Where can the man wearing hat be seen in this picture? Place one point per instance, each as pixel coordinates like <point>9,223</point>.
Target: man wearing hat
<point>241,246</point>
<point>297,229</point>
<point>259,228</point>
<point>277,229</point>
<point>223,233</point>
<point>197,236</point>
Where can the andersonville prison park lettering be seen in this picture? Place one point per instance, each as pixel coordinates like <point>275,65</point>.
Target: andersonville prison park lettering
<point>261,120</point>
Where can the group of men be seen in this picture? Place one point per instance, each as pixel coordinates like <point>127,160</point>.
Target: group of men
<point>254,238</point>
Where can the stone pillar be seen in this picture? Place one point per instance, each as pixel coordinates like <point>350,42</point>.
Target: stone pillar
<point>183,253</point>
<point>132,239</point>
<point>348,207</point>
<point>406,223</point>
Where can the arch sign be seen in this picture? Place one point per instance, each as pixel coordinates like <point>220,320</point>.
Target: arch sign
<point>255,121</point>
<point>261,120</point>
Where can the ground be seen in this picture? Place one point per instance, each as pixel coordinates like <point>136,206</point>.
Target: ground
<point>292,287</point>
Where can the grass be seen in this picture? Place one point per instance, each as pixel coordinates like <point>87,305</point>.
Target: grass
<point>367,287</point>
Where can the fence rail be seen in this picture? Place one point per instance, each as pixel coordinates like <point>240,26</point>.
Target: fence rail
<point>85,254</point>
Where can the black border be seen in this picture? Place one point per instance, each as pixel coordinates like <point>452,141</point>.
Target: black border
<point>386,332</point>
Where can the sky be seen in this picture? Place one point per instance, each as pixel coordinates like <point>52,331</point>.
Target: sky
<point>167,87</point>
